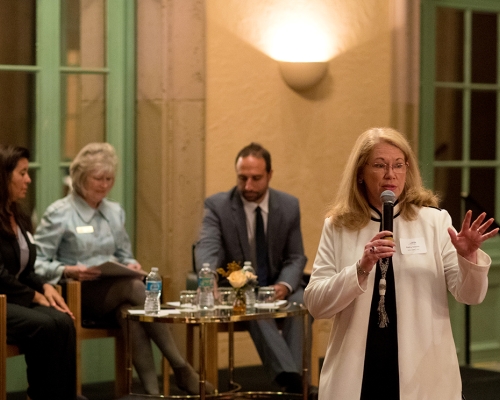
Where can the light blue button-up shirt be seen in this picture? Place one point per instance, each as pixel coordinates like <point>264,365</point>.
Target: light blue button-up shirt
<point>73,233</point>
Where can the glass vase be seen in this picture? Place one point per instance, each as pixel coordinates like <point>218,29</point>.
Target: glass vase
<point>239,305</point>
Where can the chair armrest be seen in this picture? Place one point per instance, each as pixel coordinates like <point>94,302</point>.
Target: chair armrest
<point>3,319</point>
<point>73,299</point>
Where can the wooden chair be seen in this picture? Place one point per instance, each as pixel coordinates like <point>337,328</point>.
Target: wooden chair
<point>73,299</point>
<point>7,350</point>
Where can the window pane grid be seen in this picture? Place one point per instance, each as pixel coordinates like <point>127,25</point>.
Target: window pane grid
<point>68,42</point>
<point>466,95</point>
<point>475,118</point>
<point>467,86</point>
<point>460,156</point>
<point>467,164</point>
<point>78,70</point>
<point>22,68</point>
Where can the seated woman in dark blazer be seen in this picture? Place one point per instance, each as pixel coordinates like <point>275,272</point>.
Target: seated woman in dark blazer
<point>38,319</point>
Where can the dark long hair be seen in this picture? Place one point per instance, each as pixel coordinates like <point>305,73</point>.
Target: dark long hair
<point>9,157</point>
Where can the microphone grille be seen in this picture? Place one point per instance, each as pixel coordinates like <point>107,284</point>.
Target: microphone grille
<point>388,196</point>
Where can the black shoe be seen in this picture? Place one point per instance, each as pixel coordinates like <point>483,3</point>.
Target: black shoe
<point>290,382</point>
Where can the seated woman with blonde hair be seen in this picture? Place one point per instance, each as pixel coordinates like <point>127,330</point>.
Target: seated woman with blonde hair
<point>85,229</point>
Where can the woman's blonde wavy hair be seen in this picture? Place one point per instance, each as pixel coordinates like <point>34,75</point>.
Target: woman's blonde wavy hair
<point>350,208</point>
<point>94,157</point>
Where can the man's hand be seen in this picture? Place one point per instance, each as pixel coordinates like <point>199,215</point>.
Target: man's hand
<point>81,273</point>
<point>281,291</point>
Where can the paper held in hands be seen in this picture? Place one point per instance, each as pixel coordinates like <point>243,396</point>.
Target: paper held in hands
<point>113,268</point>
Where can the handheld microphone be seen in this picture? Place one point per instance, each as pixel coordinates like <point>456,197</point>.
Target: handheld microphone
<point>388,199</point>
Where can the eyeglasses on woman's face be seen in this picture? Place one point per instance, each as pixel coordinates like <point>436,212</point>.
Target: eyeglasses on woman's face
<point>383,168</point>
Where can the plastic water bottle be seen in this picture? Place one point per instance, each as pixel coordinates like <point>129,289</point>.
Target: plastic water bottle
<point>250,292</point>
<point>153,292</point>
<point>206,286</point>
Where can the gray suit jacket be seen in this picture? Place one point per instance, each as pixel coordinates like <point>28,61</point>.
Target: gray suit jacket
<point>223,236</point>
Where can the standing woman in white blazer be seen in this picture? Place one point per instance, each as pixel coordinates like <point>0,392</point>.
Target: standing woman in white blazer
<point>391,337</point>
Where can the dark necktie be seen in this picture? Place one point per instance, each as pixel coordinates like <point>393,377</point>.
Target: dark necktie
<point>260,248</point>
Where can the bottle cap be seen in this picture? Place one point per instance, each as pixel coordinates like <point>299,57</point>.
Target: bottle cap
<point>205,265</point>
<point>154,269</point>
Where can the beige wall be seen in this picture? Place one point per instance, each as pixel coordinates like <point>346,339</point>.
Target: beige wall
<point>207,86</point>
<point>309,135</point>
<point>186,148</point>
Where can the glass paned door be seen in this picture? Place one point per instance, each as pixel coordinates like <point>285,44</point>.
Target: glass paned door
<point>459,95</point>
<point>459,150</point>
<point>62,86</point>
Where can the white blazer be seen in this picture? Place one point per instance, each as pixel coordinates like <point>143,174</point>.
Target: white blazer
<point>428,365</point>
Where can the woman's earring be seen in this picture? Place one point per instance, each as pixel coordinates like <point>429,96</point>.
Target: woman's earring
<point>360,181</point>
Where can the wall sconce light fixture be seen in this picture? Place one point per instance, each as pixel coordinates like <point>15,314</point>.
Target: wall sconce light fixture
<point>302,76</point>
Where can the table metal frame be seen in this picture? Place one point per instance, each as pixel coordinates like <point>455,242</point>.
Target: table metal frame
<point>205,319</point>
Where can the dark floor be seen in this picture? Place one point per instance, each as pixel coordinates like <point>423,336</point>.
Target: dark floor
<point>478,384</point>
<point>250,379</point>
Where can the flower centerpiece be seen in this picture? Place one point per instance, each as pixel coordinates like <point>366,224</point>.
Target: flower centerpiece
<point>240,280</point>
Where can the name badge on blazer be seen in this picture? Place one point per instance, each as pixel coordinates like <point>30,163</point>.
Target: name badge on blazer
<point>413,246</point>
<point>85,229</point>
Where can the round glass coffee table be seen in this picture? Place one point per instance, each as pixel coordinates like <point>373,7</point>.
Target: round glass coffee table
<point>209,323</point>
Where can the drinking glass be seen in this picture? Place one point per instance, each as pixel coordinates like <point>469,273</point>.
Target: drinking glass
<point>266,297</point>
<point>225,298</point>
<point>188,300</point>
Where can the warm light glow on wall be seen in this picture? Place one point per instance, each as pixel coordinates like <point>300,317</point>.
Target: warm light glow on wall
<point>298,30</point>
<point>302,35</point>
<point>299,40</point>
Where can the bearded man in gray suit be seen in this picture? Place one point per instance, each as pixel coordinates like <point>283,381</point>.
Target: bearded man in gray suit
<point>228,233</point>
